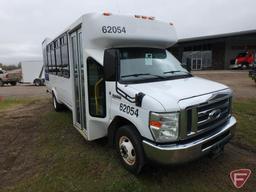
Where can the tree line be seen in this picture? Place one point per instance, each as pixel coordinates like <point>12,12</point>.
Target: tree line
<point>10,67</point>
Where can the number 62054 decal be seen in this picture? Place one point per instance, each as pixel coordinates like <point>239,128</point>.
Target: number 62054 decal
<point>129,110</point>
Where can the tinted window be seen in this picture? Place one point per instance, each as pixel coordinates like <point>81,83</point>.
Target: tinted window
<point>96,88</point>
<point>57,57</point>
<point>64,56</point>
<point>242,54</point>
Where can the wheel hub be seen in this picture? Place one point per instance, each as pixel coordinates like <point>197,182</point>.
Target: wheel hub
<point>127,150</point>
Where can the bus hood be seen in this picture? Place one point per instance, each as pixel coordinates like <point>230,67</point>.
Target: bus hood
<point>166,92</point>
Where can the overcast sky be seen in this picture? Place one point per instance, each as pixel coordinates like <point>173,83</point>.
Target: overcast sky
<point>25,23</point>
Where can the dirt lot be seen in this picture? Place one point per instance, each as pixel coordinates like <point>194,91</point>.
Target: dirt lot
<point>41,151</point>
<point>242,85</point>
<point>239,81</point>
<point>22,91</point>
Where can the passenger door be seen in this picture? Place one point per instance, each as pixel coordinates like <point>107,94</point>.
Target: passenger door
<point>78,74</point>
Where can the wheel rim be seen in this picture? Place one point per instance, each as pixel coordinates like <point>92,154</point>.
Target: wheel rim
<point>54,103</point>
<point>127,150</point>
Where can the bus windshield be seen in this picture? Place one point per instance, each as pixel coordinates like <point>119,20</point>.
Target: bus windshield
<point>149,64</point>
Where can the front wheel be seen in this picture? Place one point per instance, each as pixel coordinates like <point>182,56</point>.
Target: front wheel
<point>1,83</point>
<point>129,148</point>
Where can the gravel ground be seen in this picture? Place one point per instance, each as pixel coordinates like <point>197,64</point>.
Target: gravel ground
<point>242,85</point>
<point>23,91</point>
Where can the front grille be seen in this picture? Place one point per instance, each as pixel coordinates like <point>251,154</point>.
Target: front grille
<point>207,116</point>
<point>222,107</point>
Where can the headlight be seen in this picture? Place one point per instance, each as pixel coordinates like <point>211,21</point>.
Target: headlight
<point>164,126</point>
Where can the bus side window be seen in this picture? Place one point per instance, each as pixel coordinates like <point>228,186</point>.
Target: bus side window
<point>96,88</point>
<point>64,57</point>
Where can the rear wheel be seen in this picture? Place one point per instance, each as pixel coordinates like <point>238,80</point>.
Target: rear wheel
<point>37,82</point>
<point>1,83</point>
<point>57,106</point>
<point>14,83</point>
<point>129,148</point>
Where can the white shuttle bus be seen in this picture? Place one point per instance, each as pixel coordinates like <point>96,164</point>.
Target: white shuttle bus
<point>116,75</point>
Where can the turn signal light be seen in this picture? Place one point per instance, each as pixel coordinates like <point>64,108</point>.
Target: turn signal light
<point>155,124</point>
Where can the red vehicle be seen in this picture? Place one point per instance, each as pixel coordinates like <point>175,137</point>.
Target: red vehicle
<point>244,59</point>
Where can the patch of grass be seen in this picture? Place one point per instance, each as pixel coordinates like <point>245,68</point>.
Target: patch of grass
<point>245,113</point>
<point>69,163</point>
<point>13,102</point>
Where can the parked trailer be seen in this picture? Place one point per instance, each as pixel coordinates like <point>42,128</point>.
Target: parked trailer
<point>33,72</point>
<point>116,75</point>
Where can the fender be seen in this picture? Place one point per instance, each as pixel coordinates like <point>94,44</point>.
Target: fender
<point>117,122</point>
<point>54,91</point>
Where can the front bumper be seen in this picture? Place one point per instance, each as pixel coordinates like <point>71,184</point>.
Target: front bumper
<point>181,153</point>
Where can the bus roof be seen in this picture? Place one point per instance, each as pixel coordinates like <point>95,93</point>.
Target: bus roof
<point>100,32</point>
<point>103,31</point>
<point>135,31</point>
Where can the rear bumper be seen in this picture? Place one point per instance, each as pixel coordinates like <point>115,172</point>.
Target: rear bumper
<point>181,153</point>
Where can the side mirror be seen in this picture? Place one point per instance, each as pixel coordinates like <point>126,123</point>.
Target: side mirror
<point>110,64</point>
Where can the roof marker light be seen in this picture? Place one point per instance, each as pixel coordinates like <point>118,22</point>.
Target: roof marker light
<point>171,23</point>
<point>151,18</point>
<point>107,14</point>
<point>144,17</point>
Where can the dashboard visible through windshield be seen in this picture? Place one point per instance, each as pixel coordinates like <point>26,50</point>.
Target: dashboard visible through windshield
<point>149,64</point>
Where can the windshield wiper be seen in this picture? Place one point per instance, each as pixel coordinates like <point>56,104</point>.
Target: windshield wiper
<point>186,73</point>
<point>173,72</point>
<point>143,74</point>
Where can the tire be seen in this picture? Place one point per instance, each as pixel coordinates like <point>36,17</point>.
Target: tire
<point>14,83</point>
<point>37,82</point>
<point>128,144</point>
<point>246,65</point>
<point>57,106</point>
<point>1,83</point>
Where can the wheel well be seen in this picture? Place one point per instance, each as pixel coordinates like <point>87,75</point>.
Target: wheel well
<point>115,124</point>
